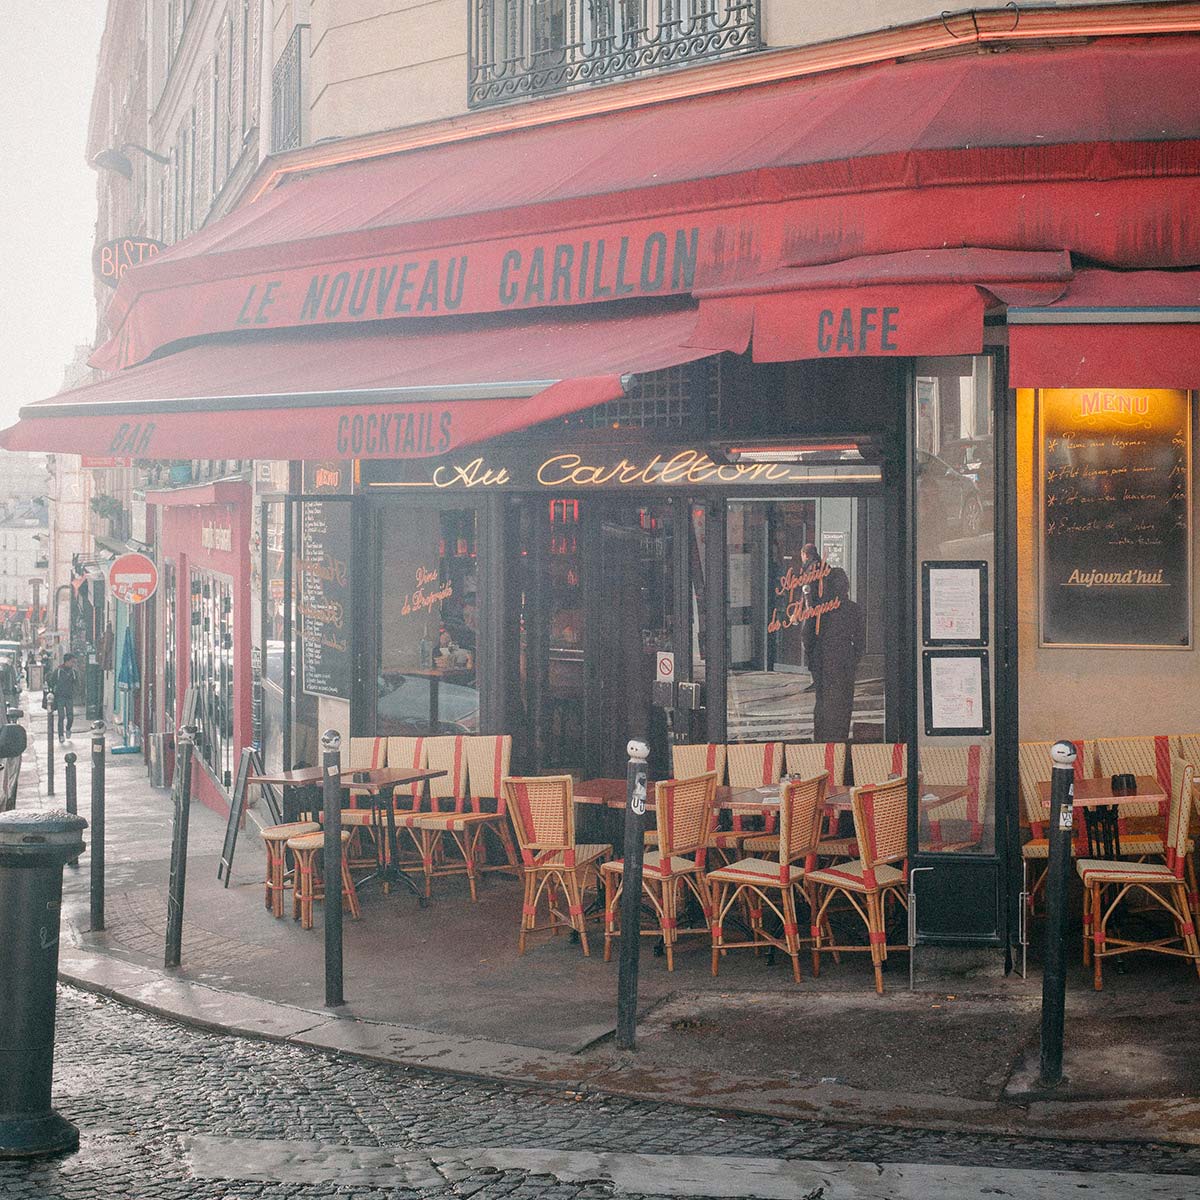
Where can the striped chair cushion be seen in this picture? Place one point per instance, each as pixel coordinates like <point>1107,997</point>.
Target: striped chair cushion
<point>760,871</point>
<point>850,876</point>
<point>1106,870</point>
<point>653,866</point>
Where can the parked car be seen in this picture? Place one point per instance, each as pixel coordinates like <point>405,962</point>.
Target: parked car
<point>974,458</point>
<point>949,501</point>
<point>403,706</point>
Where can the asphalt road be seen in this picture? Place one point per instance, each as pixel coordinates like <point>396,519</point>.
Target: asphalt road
<point>167,1111</point>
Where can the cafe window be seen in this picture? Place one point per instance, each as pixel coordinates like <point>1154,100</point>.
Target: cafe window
<point>273,633</point>
<point>211,674</point>
<point>170,645</point>
<point>428,633</point>
<point>954,576</point>
<point>804,620</point>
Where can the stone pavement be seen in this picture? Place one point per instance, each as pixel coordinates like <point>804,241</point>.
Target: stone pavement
<point>171,1113</point>
<point>443,987</point>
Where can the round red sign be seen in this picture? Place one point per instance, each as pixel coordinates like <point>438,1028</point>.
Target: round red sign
<point>133,578</point>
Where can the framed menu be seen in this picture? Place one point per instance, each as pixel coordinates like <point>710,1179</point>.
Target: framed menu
<point>954,608</point>
<point>958,694</point>
<point>1115,474</point>
<point>324,585</point>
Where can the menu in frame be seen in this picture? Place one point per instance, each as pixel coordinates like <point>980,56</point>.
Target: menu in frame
<point>954,602</point>
<point>1115,482</point>
<point>323,581</point>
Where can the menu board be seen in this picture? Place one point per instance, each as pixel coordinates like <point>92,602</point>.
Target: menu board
<point>323,580</point>
<point>1115,473</point>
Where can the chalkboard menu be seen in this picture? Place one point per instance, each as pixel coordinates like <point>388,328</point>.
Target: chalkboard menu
<point>323,580</point>
<point>1115,517</point>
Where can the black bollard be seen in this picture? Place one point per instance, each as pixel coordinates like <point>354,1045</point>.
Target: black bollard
<point>331,766</point>
<point>97,866</point>
<point>72,790</point>
<point>185,742</point>
<point>1054,967</point>
<point>50,747</point>
<point>33,848</point>
<point>631,894</point>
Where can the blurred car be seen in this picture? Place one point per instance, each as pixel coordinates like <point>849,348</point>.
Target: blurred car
<point>974,457</point>
<point>403,706</point>
<point>948,500</point>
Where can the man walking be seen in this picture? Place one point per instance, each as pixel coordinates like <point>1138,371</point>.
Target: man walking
<point>61,686</point>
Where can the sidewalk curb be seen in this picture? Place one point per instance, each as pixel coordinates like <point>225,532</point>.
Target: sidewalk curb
<point>202,1006</point>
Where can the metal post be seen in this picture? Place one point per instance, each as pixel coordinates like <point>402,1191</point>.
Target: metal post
<point>631,894</point>
<point>50,745</point>
<point>97,879</point>
<point>1054,967</point>
<point>331,764</point>
<point>186,741</point>
<point>72,792</point>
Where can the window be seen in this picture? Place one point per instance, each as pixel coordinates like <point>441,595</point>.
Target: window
<point>427,677</point>
<point>211,675</point>
<point>169,644</point>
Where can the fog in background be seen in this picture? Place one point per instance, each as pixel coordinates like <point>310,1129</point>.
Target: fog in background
<point>47,193</point>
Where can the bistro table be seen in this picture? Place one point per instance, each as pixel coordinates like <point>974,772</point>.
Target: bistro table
<point>1100,804</point>
<point>377,782</point>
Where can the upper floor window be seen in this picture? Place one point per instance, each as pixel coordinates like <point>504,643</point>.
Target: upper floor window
<point>532,47</point>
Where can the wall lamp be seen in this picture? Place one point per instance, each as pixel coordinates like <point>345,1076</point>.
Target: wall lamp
<point>115,159</point>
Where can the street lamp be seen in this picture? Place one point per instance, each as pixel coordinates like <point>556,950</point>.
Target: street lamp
<point>115,158</point>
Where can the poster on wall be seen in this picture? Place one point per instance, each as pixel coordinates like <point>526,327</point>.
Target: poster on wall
<point>1115,471</point>
<point>323,580</point>
<point>958,698</point>
<point>954,604</point>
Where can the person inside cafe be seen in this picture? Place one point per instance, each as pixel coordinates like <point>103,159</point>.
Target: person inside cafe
<point>835,636</point>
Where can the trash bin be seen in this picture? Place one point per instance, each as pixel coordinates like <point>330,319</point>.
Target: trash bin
<point>33,850</point>
<point>36,677</point>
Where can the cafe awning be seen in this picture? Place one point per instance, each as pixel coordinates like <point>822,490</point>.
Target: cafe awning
<point>1087,147</point>
<point>1122,329</point>
<point>379,392</point>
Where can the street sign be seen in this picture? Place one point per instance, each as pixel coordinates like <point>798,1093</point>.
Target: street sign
<point>664,666</point>
<point>133,578</point>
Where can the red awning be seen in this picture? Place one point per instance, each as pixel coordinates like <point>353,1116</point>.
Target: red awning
<point>1133,329</point>
<point>373,393</point>
<point>1085,147</point>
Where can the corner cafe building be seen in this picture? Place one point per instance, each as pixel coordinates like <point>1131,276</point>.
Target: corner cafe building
<point>543,418</point>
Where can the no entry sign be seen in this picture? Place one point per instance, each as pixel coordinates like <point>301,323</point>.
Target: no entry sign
<point>133,578</point>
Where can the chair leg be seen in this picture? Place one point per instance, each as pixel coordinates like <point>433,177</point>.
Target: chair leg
<point>527,908</point>
<point>574,892</point>
<point>612,890</point>
<point>815,923</point>
<point>1193,888</point>
<point>877,937</point>
<point>718,912</point>
<point>350,891</point>
<point>668,916</point>
<point>1087,927</point>
<point>791,930</point>
<point>1099,928</point>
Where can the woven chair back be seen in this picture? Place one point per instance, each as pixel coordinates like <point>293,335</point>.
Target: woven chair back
<point>754,764</point>
<point>881,822</point>
<point>542,812</point>
<point>801,809</point>
<point>1137,756</point>
<point>876,761</point>
<point>1035,766</point>
<point>368,753</point>
<point>446,754</point>
<point>1187,747</point>
<point>1179,819</point>
<point>409,753</point>
<point>807,759</point>
<point>487,760</point>
<point>683,814</point>
<point>959,766</point>
<point>690,761</point>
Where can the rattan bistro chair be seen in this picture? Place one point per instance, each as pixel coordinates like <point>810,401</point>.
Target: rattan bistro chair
<point>774,883</point>
<point>1036,766</point>
<point>876,762</point>
<point>543,816</point>
<point>279,875</point>
<point>968,767</point>
<point>448,796</point>
<point>870,881</point>
<point>1107,882</point>
<point>308,849</point>
<point>683,814</point>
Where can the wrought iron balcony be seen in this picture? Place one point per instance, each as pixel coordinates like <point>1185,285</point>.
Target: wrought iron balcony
<point>287,95</point>
<point>534,47</point>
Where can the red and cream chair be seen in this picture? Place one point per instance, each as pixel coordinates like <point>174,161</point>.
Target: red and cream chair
<point>968,767</point>
<point>366,754</point>
<point>1142,826</point>
<point>870,881</point>
<point>408,753</point>
<point>1107,882</point>
<point>486,760</point>
<point>702,759</point>
<point>876,762</point>
<point>753,765</point>
<point>448,798</point>
<point>543,816</point>
<point>1034,766</point>
<point>683,814</point>
<point>805,759</point>
<point>772,882</point>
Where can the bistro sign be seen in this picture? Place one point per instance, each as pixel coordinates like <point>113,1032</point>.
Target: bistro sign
<point>111,259</point>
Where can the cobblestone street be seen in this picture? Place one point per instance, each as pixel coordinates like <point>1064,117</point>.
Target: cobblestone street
<point>168,1111</point>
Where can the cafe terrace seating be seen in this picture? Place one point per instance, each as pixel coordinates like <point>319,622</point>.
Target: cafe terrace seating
<point>308,850</point>
<point>368,753</point>
<point>870,881</point>
<point>448,795</point>
<point>542,810</point>
<point>683,814</point>
<point>754,764</point>
<point>773,883</point>
<point>875,762</point>
<point>1108,882</point>
<point>1035,766</point>
<point>957,765</point>
<point>700,759</point>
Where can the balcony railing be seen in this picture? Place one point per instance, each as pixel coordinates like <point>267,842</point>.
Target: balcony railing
<point>534,47</point>
<point>287,95</point>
